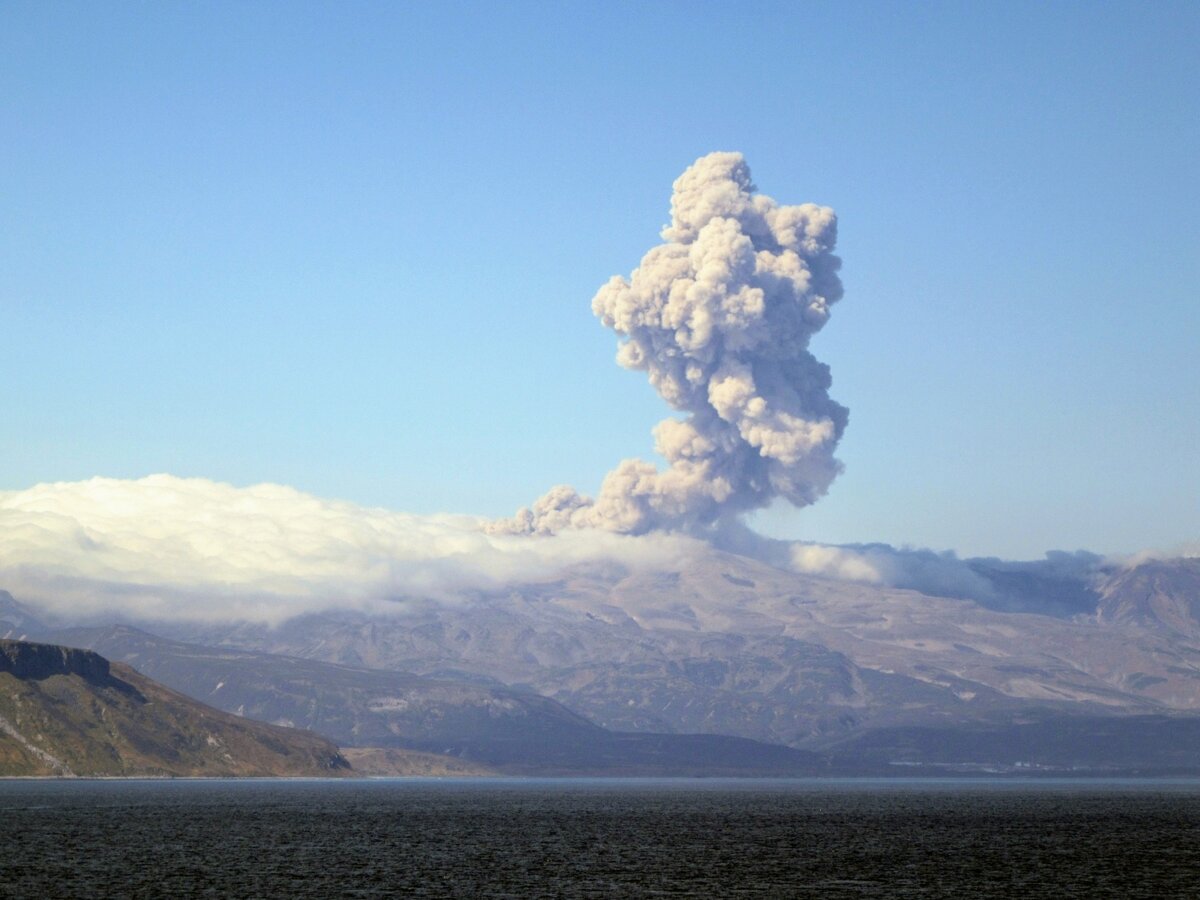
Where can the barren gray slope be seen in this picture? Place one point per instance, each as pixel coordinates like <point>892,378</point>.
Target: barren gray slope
<point>516,731</point>
<point>729,645</point>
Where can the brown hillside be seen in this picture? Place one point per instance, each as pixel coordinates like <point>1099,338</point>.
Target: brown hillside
<point>69,712</point>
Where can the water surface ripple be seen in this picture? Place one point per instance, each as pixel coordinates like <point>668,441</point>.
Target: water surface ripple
<point>656,838</point>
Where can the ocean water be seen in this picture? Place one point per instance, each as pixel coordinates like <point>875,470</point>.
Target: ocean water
<point>599,838</point>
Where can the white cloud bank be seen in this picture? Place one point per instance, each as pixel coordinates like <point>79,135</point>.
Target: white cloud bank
<point>173,548</point>
<point>167,548</point>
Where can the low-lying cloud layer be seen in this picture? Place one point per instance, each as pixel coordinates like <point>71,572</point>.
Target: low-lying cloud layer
<point>719,316</point>
<point>174,548</point>
<point>1061,584</point>
<point>166,548</point>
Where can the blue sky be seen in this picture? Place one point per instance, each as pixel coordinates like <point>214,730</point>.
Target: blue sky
<point>351,248</point>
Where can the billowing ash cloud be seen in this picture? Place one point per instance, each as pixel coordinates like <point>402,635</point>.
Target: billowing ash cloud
<point>191,549</point>
<point>719,316</point>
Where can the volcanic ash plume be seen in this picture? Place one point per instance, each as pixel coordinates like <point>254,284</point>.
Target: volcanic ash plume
<point>719,316</point>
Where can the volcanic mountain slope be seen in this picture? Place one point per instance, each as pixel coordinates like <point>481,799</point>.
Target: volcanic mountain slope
<point>727,645</point>
<point>717,645</point>
<point>1159,595</point>
<point>68,712</point>
<point>356,707</point>
<point>507,730</point>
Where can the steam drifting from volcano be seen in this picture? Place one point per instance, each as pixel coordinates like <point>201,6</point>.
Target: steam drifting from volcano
<point>719,316</point>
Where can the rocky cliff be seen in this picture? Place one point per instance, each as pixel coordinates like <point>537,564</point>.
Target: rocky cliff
<point>26,660</point>
<point>69,712</point>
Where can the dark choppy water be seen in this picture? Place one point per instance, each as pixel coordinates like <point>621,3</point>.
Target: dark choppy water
<point>598,839</point>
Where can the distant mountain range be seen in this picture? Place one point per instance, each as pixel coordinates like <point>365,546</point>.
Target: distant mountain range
<point>504,730</point>
<point>603,669</point>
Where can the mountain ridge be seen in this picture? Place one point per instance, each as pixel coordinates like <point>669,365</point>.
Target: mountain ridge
<point>1160,595</point>
<point>377,712</point>
<point>66,711</point>
<point>739,647</point>
<point>724,646</point>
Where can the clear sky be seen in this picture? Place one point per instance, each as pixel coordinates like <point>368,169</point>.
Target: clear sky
<point>351,248</point>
